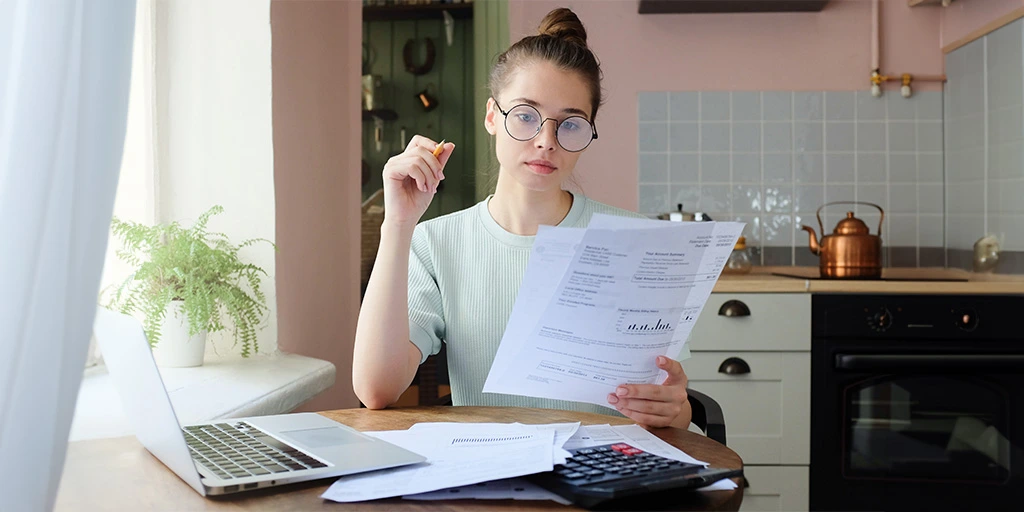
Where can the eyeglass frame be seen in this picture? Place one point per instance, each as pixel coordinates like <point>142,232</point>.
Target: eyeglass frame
<point>540,127</point>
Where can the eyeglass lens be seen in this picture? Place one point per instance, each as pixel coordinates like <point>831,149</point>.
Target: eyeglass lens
<point>574,133</point>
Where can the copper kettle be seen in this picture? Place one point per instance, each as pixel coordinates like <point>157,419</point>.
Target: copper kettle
<point>851,251</point>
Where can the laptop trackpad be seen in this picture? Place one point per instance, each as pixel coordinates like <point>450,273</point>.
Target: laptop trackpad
<point>327,436</point>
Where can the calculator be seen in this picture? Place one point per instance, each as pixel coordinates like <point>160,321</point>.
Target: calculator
<point>596,475</point>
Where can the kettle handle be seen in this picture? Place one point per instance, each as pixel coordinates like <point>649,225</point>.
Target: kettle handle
<point>881,217</point>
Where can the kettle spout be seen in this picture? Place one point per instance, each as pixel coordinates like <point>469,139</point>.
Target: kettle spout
<point>815,248</point>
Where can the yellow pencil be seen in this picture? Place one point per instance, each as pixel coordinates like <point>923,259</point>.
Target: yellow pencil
<point>439,148</point>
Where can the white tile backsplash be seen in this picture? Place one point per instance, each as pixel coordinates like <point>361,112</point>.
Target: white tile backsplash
<point>808,136</point>
<point>714,106</point>
<point>684,167</point>
<point>778,167</point>
<point>714,136</point>
<point>746,167</point>
<point>808,106</point>
<point>772,158</point>
<point>746,106</point>
<point>653,106</point>
<point>809,167</point>
<point>777,105</point>
<point>654,168</point>
<point>714,168</point>
<point>840,106</point>
<point>871,168</point>
<point>902,136</point>
<point>840,136</point>
<point>683,106</point>
<point>683,136</point>
<point>840,167</point>
<point>778,136</point>
<point>746,137</point>
<point>869,107</point>
<point>870,136</point>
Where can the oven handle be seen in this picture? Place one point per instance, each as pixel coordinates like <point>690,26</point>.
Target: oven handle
<point>912,362</point>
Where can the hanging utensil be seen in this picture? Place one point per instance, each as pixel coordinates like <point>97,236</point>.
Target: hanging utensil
<point>378,133</point>
<point>449,27</point>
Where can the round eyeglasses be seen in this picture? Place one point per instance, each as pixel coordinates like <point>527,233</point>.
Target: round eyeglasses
<point>523,123</point>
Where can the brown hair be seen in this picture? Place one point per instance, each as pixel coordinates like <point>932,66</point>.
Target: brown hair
<point>562,41</point>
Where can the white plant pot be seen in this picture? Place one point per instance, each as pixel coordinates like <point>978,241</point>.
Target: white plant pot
<point>175,348</point>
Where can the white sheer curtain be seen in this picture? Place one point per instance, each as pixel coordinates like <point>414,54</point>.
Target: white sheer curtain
<point>64,82</point>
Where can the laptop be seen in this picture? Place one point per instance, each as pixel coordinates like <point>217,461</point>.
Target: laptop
<point>236,455</point>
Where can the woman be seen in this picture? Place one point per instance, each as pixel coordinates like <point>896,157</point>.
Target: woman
<point>457,276</point>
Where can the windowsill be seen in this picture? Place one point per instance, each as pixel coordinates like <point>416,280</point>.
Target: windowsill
<point>221,388</point>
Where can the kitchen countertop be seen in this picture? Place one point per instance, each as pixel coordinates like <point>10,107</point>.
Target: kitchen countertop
<point>911,280</point>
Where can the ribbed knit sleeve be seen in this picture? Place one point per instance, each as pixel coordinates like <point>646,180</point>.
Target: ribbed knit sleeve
<point>426,315</point>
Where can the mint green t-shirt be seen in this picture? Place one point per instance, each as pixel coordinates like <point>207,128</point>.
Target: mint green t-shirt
<point>464,276</point>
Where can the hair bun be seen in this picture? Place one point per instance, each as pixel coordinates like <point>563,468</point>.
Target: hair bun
<point>562,23</point>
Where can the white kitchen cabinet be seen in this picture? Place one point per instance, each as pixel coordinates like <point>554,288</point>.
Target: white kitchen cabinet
<point>766,322</point>
<point>766,410</point>
<point>751,352</point>
<point>781,488</point>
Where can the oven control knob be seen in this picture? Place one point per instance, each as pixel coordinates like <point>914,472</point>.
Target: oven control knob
<point>880,321</point>
<point>966,319</point>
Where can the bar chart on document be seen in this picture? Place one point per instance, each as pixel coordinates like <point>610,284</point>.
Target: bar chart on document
<point>646,321</point>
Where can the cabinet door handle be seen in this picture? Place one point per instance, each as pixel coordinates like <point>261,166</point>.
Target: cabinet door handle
<point>734,366</point>
<point>734,308</point>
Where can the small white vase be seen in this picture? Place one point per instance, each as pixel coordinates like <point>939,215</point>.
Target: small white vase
<point>175,348</point>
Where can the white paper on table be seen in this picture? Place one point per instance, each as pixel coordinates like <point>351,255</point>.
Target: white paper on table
<point>620,300</point>
<point>509,488</point>
<point>460,457</point>
<point>563,431</point>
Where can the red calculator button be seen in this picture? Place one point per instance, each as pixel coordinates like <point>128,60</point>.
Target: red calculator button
<point>631,451</point>
<point>620,447</point>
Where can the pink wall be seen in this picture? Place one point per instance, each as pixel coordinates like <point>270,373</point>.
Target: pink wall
<point>316,59</point>
<point>963,16</point>
<point>828,50</point>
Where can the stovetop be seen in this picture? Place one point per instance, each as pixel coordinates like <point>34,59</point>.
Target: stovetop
<point>816,275</point>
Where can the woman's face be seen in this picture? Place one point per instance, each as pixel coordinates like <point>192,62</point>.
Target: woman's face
<point>538,164</point>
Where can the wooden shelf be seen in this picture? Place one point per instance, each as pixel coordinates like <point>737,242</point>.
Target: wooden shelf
<point>383,114</point>
<point>728,6</point>
<point>416,12</point>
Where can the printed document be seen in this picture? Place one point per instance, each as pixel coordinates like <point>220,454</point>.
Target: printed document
<point>598,305</point>
<point>456,455</point>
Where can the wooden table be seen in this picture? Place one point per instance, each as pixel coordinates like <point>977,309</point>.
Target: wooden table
<point>119,474</point>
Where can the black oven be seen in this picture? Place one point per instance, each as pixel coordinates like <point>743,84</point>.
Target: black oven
<point>917,402</point>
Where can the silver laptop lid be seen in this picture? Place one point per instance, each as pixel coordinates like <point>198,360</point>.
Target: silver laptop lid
<point>146,404</point>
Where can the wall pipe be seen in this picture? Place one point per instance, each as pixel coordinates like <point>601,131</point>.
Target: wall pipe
<point>877,78</point>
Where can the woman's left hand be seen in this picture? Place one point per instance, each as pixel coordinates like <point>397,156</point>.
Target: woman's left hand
<point>654,405</point>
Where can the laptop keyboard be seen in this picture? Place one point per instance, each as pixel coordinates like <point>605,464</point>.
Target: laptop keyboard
<point>237,450</point>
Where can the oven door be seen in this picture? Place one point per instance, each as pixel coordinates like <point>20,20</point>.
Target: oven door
<point>911,430</point>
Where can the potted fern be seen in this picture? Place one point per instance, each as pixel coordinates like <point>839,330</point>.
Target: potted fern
<point>186,283</point>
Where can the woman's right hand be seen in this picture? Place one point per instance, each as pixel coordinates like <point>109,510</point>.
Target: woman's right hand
<point>411,178</point>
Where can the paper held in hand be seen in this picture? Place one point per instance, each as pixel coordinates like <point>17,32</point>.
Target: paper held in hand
<point>599,304</point>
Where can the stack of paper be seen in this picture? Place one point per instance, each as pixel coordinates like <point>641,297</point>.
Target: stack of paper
<point>483,460</point>
<point>459,454</point>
